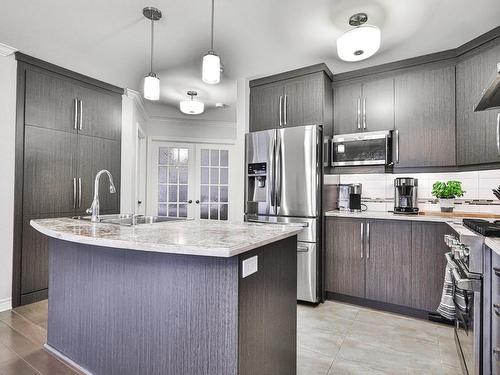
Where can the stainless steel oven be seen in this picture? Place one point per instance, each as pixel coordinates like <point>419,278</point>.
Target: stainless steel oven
<point>466,259</point>
<point>368,148</point>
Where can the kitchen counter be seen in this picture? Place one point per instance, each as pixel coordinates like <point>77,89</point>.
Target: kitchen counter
<point>384,215</point>
<point>493,243</point>
<point>175,297</point>
<point>189,237</point>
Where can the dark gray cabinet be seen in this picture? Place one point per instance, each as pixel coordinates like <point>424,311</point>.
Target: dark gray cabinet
<point>67,129</point>
<point>428,264</point>
<point>425,118</point>
<point>476,131</point>
<point>367,106</point>
<point>344,258</point>
<point>298,98</point>
<point>388,261</point>
<point>397,262</point>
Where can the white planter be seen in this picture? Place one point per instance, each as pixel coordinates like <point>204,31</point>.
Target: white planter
<point>447,205</point>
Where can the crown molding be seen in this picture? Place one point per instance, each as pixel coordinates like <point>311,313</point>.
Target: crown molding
<point>6,50</point>
<point>139,101</point>
<point>195,121</point>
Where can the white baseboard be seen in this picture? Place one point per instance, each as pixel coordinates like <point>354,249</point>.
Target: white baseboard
<point>5,304</point>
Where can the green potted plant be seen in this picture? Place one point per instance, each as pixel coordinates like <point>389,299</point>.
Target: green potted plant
<point>446,192</point>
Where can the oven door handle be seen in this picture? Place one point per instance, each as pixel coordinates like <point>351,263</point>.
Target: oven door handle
<point>471,285</point>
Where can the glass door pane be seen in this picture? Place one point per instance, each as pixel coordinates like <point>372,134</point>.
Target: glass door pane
<point>172,180</point>
<point>214,182</point>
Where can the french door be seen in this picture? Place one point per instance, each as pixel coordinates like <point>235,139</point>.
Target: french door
<point>189,180</point>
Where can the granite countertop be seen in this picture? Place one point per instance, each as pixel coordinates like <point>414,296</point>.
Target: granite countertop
<point>391,216</point>
<point>493,243</point>
<point>190,237</point>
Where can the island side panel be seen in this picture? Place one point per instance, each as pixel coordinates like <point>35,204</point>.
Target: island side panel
<point>122,312</point>
<point>268,311</point>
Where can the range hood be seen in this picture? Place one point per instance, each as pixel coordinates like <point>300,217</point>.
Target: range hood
<point>491,96</point>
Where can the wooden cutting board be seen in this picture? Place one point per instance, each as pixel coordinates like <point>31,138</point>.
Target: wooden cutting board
<point>484,215</point>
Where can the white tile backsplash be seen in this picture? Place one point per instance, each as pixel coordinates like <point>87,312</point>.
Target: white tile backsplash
<point>477,184</point>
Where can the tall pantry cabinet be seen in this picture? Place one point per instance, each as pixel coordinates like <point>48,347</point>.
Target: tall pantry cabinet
<point>68,128</point>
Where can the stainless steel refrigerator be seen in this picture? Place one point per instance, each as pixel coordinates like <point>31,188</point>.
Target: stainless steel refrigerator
<point>284,179</point>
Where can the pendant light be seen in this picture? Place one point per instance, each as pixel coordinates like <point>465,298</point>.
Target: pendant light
<point>151,81</point>
<point>361,42</point>
<point>192,106</point>
<point>211,61</point>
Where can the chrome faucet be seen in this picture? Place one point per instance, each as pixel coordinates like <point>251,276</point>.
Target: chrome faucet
<point>94,208</point>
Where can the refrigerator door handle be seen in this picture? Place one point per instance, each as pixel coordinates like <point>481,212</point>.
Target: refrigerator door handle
<point>278,170</point>
<point>272,168</point>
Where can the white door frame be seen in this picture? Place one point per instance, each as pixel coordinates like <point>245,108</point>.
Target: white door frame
<point>152,141</point>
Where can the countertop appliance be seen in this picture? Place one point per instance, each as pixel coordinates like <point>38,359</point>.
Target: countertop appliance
<point>368,148</point>
<point>483,227</point>
<point>491,96</point>
<point>405,195</point>
<point>468,262</point>
<point>350,197</point>
<point>284,182</point>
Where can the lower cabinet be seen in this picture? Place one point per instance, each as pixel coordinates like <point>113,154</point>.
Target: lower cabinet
<point>391,261</point>
<point>388,268</point>
<point>345,264</point>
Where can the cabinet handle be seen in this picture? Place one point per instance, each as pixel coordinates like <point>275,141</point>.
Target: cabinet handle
<point>397,146</point>
<point>362,238</point>
<point>367,240</point>
<point>364,113</point>
<point>79,192</point>
<point>285,109</point>
<point>359,113</point>
<point>75,122</point>
<point>498,133</point>
<point>81,115</point>
<point>496,271</point>
<point>280,110</point>
<point>74,192</point>
<point>496,308</point>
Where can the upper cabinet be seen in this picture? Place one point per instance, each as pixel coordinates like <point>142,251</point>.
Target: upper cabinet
<point>425,118</point>
<point>297,98</point>
<point>477,132</point>
<point>367,106</point>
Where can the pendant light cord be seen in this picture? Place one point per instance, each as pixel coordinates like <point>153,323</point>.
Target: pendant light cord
<point>152,43</point>
<point>212,33</point>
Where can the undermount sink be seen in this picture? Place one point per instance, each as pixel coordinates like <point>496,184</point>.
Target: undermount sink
<point>129,220</point>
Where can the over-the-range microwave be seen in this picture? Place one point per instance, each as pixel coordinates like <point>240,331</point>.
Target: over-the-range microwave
<point>368,148</point>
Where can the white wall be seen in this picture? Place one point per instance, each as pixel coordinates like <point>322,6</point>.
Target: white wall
<point>134,121</point>
<point>8,67</point>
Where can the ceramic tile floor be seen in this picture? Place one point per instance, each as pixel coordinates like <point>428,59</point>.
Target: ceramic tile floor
<point>333,338</point>
<point>340,339</point>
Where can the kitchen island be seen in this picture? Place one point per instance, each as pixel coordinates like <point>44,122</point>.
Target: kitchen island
<point>173,298</point>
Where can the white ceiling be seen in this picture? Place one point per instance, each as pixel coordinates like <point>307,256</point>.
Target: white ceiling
<point>109,40</point>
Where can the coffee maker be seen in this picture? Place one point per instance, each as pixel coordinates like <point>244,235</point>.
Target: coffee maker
<point>350,197</point>
<point>405,195</point>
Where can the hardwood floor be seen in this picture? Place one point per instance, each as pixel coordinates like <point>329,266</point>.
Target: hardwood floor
<point>333,338</point>
<point>22,335</point>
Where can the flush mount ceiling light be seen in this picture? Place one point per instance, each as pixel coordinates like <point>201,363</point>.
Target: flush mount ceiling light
<point>211,61</point>
<point>151,81</point>
<point>361,42</point>
<point>192,106</point>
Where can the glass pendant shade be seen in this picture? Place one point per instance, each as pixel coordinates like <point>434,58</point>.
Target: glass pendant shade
<point>211,68</point>
<point>152,87</point>
<point>191,107</point>
<point>359,43</point>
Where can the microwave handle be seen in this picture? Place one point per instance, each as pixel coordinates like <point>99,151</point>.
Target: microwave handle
<point>397,145</point>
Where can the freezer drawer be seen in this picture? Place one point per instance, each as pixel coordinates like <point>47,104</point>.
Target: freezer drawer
<point>306,271</point>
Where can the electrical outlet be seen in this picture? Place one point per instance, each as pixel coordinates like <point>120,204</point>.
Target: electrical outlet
<point>249,266</point>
